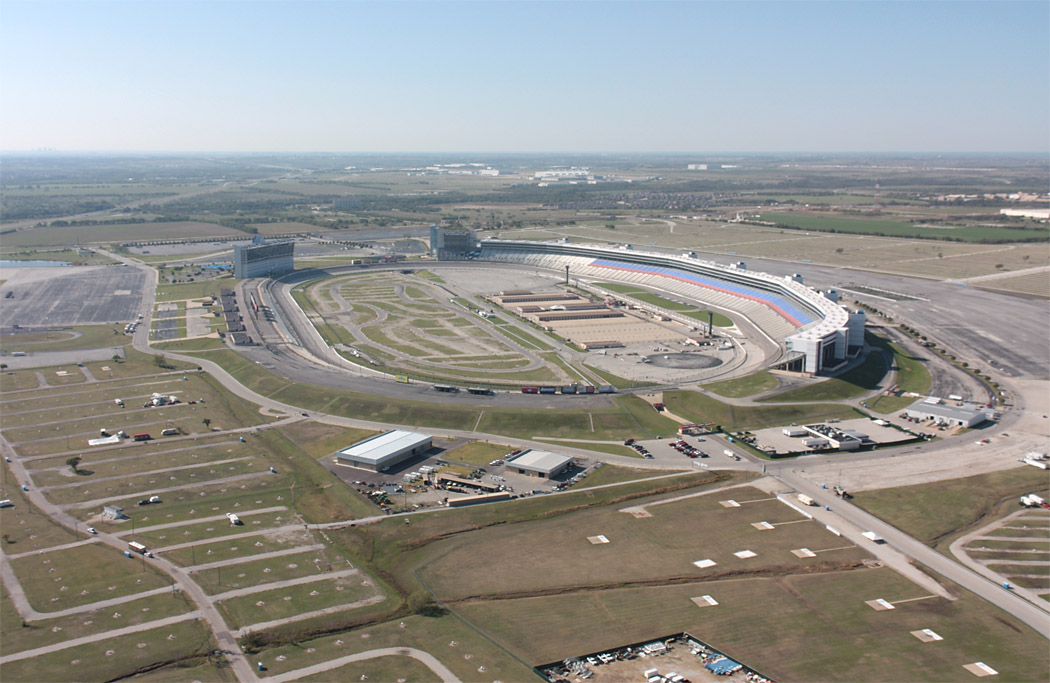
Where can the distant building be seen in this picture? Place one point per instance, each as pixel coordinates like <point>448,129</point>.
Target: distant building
<point>542,464</point>
<point>262,259</point>
<point>696,167</point>
<point>384,450</point>
<point>1043,214</point>
<point>452,244</point>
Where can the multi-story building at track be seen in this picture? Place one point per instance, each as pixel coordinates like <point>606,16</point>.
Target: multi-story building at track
<point>816,333</point>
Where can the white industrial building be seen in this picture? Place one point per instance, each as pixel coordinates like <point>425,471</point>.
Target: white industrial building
<point>542,464</point>
<point>816,332</point>
<point>383,451</point>
<point>963,416</point>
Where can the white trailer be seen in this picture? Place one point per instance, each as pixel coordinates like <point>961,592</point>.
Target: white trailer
<point>873,537</point>
<point>234,519</point>
<point>805,500</point>
<point>1032,501</point>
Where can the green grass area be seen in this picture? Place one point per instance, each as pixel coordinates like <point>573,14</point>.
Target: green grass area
<point>615,474</point>
<point>719,319</point>
<point>89,573</point>
<point>115,658</point>
<point>611,448</point>
<point>240,547</point>
<point>433,634</point>
<point>912,376</point>
<point>700,408</point>
<point>479,453</point>
<point>616,380</point>
<point>65,339</point>
<point>20,636</point>
<point>194,344</point>
<point>744,386</point>
<point>873,226</point>
<point>194,290</point>
<point>259,572</point>
<point>20,380</point>
<point>388,668</point>
<point>797,627</point>
<point>937,512</point>
<point>850,384</point>
<point>657,549</point>
<point>280,603</point>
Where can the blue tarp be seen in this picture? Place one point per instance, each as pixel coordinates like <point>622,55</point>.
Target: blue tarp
<point>723,666</point>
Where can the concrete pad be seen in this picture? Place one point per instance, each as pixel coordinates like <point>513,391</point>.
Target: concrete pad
<point>926,635</point>
<point>597,540</point>
<point>879,605</point>
<point>762,526</point>
<point>980,669</point>
<point>729,503</point>
<point>704,601</point>
<point>744,554</point>
<point>704,564</point>
<point>803,552</point>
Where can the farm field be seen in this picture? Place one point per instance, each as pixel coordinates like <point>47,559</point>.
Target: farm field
<point>122,232</point>
<point>812,221</point>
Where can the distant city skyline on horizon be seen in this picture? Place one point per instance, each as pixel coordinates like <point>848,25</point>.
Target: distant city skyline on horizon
<point>472,78</point>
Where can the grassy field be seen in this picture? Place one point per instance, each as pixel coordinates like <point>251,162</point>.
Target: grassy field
<point>193,290</point>
<point>128,232</point>
<point>280,603</point>
<point>798,627</point>
<point>658,549</point>
<point>700,408</point>
<point>65,339</point>
<point>114,658</point>
<point>615,474</point>
<point>872,226</point>
<point>938,512</point>
<point>744,386</point>
<point>642,295</point>
<point>912,377</point>
<point>850,384</point>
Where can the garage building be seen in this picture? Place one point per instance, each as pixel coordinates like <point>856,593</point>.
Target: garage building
<point>964,416</point>
<point>542,464</point>
<point>384,450</point>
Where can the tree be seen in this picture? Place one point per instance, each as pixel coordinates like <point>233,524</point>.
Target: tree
<point>74,463</point>
<point>207,422</point>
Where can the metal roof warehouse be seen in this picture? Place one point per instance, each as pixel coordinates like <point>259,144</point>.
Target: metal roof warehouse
<point>384,450</point>
<point>542,464</point>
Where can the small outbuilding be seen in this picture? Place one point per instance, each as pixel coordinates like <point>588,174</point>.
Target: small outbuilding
<point>542,464</point>
<point>385,450</point>
<point>113,513</point>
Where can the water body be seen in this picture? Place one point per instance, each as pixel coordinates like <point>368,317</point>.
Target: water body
<point>32,264</point>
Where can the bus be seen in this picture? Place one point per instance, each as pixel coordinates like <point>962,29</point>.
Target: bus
<point>137,547</point>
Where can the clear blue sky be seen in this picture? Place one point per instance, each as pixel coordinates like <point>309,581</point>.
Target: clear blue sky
<point>530,77</point>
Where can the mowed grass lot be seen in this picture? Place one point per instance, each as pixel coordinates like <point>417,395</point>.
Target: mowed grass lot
<point>800,627</point>
<point>281,603</point>
<point>445,636</point>
<point>238,547</point>
<point>656,549</point>
<point>114,658</point>
<point>744,386</point>
<point>850,384</point>
<point>83,575</point>
<point>18,638</point>
<point>700,408</point>
<point>938,512</point>
<point>65,339</point>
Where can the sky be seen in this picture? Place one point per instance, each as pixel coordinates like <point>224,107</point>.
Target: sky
<point>503,76</point>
